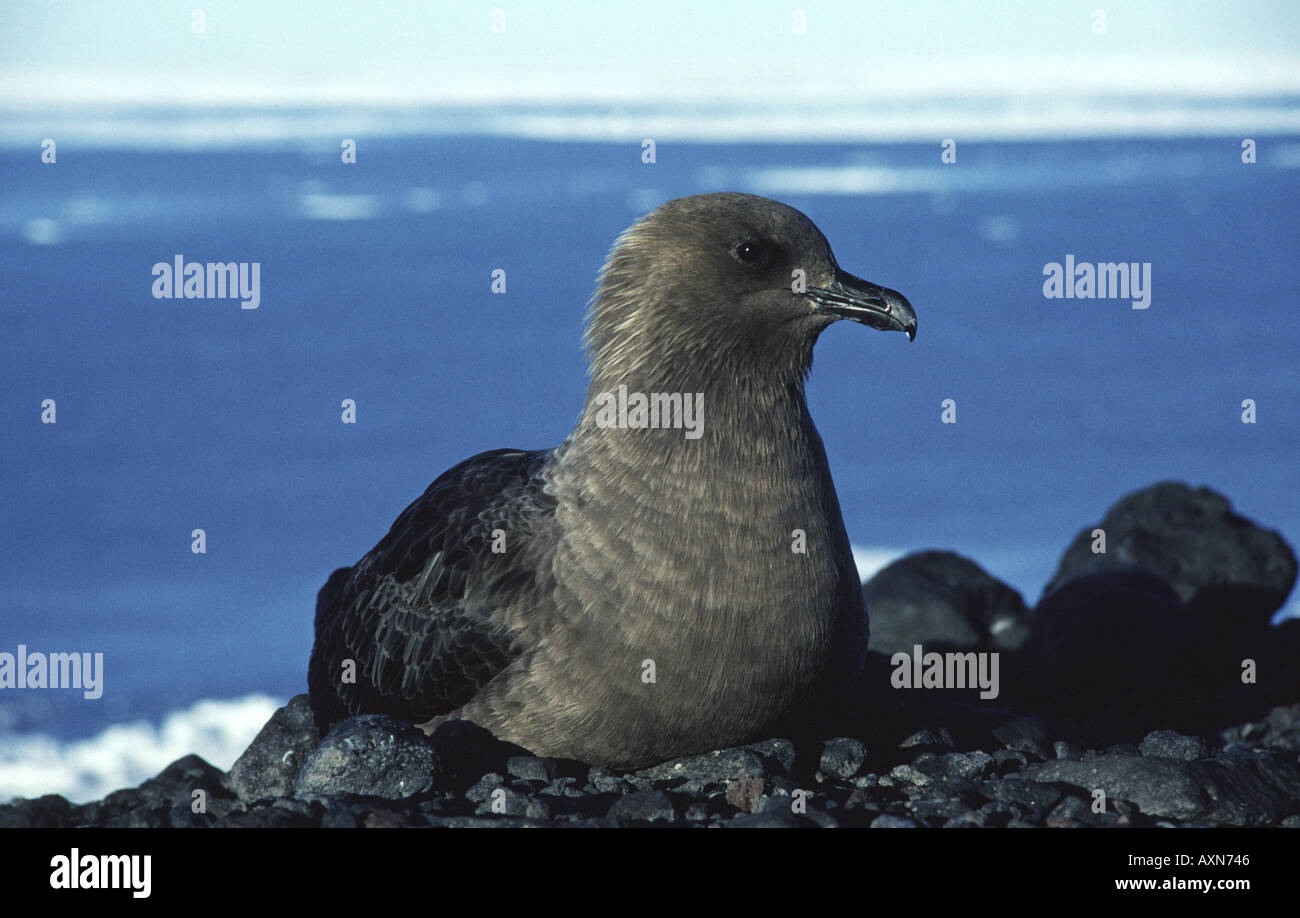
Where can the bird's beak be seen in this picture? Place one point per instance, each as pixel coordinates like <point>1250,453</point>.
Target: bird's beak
<point>849,297</point>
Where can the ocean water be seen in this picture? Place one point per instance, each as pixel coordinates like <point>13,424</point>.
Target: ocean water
<point>175,414</point>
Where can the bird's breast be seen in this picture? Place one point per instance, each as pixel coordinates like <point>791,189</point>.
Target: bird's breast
<point>728,581</point>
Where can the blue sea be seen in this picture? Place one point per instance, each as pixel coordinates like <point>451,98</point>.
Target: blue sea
<point>182,414</point>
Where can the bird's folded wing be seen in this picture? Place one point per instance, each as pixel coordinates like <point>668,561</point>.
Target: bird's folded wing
<point>409,614</point>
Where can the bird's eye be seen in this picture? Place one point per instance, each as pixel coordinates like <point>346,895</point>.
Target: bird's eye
<point>751,252</point>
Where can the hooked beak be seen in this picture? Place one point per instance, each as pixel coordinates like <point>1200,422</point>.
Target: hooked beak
<point>849,297</point>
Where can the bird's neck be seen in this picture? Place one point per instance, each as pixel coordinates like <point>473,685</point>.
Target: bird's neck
<point>738,399</point>
<point>664,430</point>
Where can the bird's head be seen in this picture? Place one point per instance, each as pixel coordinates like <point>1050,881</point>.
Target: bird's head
<point>733,274</point>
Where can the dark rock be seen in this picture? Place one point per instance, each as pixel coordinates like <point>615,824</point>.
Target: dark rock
<point>1032,796</point>
<point>372,755</point>
<point>1025,734</point>
<point>937,811</point>
<point>1249,789</point>
<point>635,782</point>
<point>769,821</point>
<point>174,783</point>
<point>1009,761</point>
<point>150,803</point>
<point>778,755</point>
<point>265,817</point>
<point>183,816</point>
<point>1076,812</point>
<point>392,819</point>
<point>1280,730</point>
<point>99,812</point>
<point>603,781</point>
<point>269,766</point>
<point>1124,813</point>
<point>467,752</point>
<point>698,812</point>
<point>742,793</point>
<point>905,775</point>
<point>811,809</point>
<point>1071,813</point>
<point>562,787</point>
<point>307,806</point>
<point>969,819</point>
<point>1166,744</point>
<point>1102,643</point>
<point>712,769</point>
<point>953,772</point>
<point>210,803</point>
<point>507,802</point>
<point>890,821</point>
<point>500,822</point>
<point>842,757</point>
<point>998,815</point>
<point>872,799</point>
<point>1212,557</point>
<point>1216,668</point>
<point>1065,749</point>
<point>446,805</point>
<point>532,768</point>
<point>822,819</point>
<point>941,600</point>
<point>966,764</point>
<point>478,792</point>
<point>935,739</point>
<point>144,817</point>
<point>1159,787</point>
<point>784,786</point>
<point>643,806</point>
<point>339,818</point>
<point>50,811</point>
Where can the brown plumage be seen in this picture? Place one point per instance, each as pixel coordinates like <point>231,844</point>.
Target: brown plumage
<point>635,551</point>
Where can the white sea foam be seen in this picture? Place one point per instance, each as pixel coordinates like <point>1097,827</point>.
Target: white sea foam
<point>126,754</point>
<point>998,98</point>
<point>850,180</point>
<point>319,206</point>
<point>42,231</point>
<point>1047,96</point>
<point>863,121</point>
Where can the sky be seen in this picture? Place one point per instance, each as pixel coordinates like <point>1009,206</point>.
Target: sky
<point>401,51</point>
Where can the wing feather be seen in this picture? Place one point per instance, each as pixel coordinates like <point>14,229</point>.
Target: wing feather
<point>417,613</point>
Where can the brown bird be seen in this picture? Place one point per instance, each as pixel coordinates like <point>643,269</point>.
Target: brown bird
<point>639,592</point>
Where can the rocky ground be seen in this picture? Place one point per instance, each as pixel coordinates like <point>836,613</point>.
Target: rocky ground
<point>1146,688</point>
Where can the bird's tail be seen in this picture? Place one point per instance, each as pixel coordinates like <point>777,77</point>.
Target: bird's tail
<point>322,674</point>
